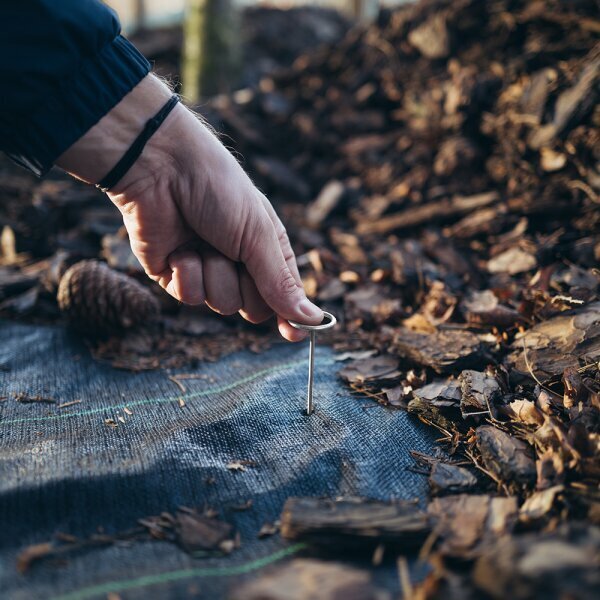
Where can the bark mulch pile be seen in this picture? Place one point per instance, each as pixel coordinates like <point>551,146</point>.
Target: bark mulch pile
<point>445,167</point>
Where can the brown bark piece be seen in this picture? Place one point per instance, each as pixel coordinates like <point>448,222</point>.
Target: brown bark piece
<point>484,308</point>
<point>370,303</point>
<point>539,504</point>
<point>354,520</point>
<point>438,402</point>
<point>560,342</point>
<point>450,479</point>
<point>508,458</point>
<point>512,261</point>
<point>304,578</point>
<point>465,523</point>
<point>556,565</point>
<point>441,393</point>
<point>572,104</point>
<point>383,368</point>
<point>196,533</point>
<point>431,37</point>
<point>443,351</point>
<point>479,392</point>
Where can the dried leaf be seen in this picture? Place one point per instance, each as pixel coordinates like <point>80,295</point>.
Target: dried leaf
<point>196,533</point>
<point>526,412</point>
<point>539,504</point>
<point>512,261</point>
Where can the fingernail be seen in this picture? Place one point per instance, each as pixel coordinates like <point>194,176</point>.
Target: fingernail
<point>308,309</point>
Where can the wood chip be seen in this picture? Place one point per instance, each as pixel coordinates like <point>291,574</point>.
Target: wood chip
<point>450,479</point>
<point>303,578</point>
<point>507,457</point>
<point>354,520</point>
<point>443,351</point>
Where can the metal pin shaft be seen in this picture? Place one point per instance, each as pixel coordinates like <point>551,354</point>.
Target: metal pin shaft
<point>328,321</point>
<point>311,372</point>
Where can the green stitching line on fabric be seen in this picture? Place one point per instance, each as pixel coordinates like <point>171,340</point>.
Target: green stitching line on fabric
<point>207,392</point>
<point>147,580</point>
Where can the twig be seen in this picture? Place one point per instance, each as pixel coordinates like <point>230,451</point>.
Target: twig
<point>404,576</point>
<point>479,412</point>
<point>178,384</point>
<point>568,299</point>
<point>427,546</point>
<point>488,473</point>
<point>586,189</point>
<point>438,427</point>
<point>533,374</point>
<point>66,404</point>
<point>26,399</point>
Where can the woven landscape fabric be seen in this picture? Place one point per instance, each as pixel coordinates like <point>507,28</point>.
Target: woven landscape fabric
<point>64,470</point>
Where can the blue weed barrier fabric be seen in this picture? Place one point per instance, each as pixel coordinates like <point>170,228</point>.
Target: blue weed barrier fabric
<point>65,470</point>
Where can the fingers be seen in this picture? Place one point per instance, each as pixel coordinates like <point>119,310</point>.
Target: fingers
<point>254,308</point>
<point>224,287</point>
<point>221,283</point>
<point>291,334</point>
<point>186,282</point>
<point>275,280</point>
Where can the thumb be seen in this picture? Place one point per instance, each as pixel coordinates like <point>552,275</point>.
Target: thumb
<point>261,253</point>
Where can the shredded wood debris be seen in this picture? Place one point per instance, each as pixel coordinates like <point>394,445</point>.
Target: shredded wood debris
<point>197,533</point>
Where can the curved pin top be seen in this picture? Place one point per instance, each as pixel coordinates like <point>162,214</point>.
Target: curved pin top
<point>328,322</point>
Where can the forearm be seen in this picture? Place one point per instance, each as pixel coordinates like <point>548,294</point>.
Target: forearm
<point>100,148</point>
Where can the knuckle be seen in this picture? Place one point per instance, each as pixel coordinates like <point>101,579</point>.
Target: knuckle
<point>224,306</point>
<point>284,243</point>
<point>224,309</point>
<point>285,286</point>
<point>256,316</point>
<point>250,239</point>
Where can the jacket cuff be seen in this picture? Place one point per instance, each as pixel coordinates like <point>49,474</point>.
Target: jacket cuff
<point>79,103</point>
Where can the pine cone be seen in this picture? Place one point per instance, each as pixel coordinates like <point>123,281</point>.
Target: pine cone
<point>97,299</point>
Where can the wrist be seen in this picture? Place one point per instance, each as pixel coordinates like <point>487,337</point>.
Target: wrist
<point>180,149</point>
<point>101,147</point>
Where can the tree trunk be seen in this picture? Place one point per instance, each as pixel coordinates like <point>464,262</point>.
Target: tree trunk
<point>364,10</point>
<point>140,16</point>
<point>211,48</point>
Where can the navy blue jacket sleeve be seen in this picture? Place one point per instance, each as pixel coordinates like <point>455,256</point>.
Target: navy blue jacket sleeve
<point>63,66</point>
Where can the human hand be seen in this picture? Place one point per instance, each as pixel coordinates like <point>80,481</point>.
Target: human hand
<point>196,223</point>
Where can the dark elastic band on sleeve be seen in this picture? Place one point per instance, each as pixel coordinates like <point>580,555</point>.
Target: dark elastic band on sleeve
<point>117,172</point>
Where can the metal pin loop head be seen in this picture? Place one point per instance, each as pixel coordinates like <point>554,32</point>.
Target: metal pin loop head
<point>328,322</point>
